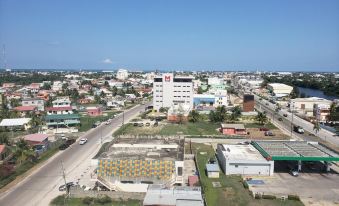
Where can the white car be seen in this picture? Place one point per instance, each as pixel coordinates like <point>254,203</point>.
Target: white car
<point>82,141</point>
<point>108,121</point>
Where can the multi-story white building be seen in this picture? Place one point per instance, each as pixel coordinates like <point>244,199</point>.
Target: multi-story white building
<point>306,106</point>
<point>62,102</point>
<point>171,90</point>
<point>122,74</point>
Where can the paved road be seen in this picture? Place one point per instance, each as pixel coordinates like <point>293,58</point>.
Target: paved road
<point>40,187</point>
<point>286,123</point>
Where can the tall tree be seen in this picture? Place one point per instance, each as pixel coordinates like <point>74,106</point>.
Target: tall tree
<point>193,116</point>
<point>316,127</point>
<point>261,118</point>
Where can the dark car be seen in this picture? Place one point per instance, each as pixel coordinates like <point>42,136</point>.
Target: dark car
<point>63,146</point>
<point>67,186</point>
<point>94,125</point>
<point>280,119</point>
<point>70,141</point>
<point>263,129</point>
<point>285,115</point>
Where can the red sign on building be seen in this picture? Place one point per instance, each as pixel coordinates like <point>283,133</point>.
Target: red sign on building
<point>167,78</point>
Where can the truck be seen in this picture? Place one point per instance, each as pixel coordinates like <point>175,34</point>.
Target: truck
<point>298,129</point>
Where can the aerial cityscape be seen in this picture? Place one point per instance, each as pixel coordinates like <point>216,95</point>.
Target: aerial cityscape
<point>169,103</point>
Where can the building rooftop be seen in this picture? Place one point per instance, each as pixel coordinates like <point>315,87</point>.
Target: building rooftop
<point>62,116</point>
<point>241,152</point>
<point>212,168</point>
<point>177,196</point>
<point>36,137</point>
<point>143,148</point>
<point>14,122</point>
<point>295,150</point>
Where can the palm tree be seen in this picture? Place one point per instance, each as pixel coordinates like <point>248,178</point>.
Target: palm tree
<point>261,118</point>
<point>316,127</point>
<point>22,150</point>
<point>194,116</point>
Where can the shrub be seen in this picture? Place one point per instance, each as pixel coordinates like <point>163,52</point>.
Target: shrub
<point>257,196</point>
<point>270,197</point>
<point>245,184</point>
<point>104,200</point>
<point>88,200</point>
<point>293,197</point>
<point>60,200</point>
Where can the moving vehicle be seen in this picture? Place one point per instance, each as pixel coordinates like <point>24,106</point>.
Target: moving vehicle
<point>298,129</point>
<point>83,141</point>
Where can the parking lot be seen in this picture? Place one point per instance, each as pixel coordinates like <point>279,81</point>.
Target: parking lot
<point>313,188</point>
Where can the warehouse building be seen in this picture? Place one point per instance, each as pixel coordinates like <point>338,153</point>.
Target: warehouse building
<point>131,164</point>
<point>279,90</point>
<point>243,160</point>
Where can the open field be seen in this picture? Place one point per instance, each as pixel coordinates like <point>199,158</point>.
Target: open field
<point>88,121</point>
<point>198,128</point>
<point>232,191</point>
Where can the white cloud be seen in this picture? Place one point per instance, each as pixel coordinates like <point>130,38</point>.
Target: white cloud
<point>107,61</point>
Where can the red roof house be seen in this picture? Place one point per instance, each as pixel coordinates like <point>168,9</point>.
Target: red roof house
<point>94,111</point>
<point>37,139</point>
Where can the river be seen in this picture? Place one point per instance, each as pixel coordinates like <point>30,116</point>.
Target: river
<point>315,93</point>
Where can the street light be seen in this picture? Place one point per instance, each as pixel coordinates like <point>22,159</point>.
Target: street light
<point>292,108</point>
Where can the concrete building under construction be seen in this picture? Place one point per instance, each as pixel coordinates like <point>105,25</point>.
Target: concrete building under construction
<point>131,164</point>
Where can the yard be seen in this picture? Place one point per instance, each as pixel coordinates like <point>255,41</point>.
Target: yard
<point>232,191</point>
<point>189,128</point>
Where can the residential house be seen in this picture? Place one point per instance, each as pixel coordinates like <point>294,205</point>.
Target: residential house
<point>16,123</point>
<point>59,110</point>
<point>62,102</point>
<point>25,110</point>
<point>38,103</point>
<point>59,123</point>
<point>94,111</point>
<point>37,139</point>
<point>233,129</point>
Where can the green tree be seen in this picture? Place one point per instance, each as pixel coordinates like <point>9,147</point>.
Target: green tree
<point>261,118</point>
<point>219,115</point>
<point>4,139</point>
<point>316,127</point>
<point>193,116</point>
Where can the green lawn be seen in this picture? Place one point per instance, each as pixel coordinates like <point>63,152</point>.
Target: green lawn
<point>60,201</point>
<point>232,191</point>
<point>256,125</point>
<point>189,128</point>
<point>87,121</point>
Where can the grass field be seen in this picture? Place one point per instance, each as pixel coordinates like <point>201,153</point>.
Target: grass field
<point>256,125</point>
<point>60,201</point>
<point>232,191</point>
<point>198,128</point>
<point>87,121</point>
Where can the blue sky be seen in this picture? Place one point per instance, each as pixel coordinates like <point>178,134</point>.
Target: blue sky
<point>177,35</point>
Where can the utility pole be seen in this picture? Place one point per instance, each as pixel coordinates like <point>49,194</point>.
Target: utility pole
<point>292,119</point>
<point>64,176</point>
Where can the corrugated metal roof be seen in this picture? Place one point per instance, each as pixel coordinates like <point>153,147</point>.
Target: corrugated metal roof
<point>14,122</point>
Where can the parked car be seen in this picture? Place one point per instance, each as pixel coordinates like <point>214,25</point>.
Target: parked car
<point>83,141</point>
<point>285,115</point>
<point>263,129</point>
<point>135,124</point>
<point>269,133</point>
<point>148,124</point>
<point>280,119</point>
<point>294,173</point>
<point>63,137</point>
<point>67,186</point>
<point>108,122</point>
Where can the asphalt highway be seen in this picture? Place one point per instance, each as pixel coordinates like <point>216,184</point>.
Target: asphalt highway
<point>42,185</point>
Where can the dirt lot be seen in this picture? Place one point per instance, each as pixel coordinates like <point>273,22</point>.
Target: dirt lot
<point>312,188</point>
<point>256,134</point>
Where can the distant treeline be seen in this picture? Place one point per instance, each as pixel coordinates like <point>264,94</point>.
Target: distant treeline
<point>328,84</point>
<point>29,78</point>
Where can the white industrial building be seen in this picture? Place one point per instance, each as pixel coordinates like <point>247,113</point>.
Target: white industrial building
<point>215,81</point>
<point>279,90</point>
<point>122,74</point>
<point>243,160</point>
<point>171,90</point>
<point>308,106</point>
